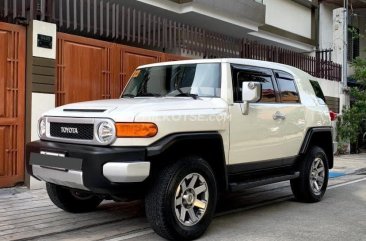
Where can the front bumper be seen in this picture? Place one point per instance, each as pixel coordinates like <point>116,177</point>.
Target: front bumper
<point>103,170</point>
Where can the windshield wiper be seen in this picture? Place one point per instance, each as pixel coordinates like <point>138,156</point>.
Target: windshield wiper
<point>194,96</point>
<point>128,95</point>
<point>149,94</point>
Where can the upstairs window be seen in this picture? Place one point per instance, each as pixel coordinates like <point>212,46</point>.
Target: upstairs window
<point>353,43</point>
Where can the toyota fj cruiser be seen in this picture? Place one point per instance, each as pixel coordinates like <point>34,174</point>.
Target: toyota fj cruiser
<point>181,133</point>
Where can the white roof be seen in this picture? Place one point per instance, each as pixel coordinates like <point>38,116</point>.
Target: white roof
<point>249,62</point>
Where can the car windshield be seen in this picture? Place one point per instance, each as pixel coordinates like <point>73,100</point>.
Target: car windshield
<point>192,80</point>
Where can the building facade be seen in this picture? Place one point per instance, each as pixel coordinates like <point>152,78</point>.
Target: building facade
<point>54,52</point>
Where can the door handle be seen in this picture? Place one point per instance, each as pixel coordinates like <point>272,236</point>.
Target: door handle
<point>279,116</point>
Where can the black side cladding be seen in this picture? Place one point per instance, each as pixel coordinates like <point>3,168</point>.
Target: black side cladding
<point>322,137</point>
<point>207,145</point>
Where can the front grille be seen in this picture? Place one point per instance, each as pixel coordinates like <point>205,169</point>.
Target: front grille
<point>72,131</point>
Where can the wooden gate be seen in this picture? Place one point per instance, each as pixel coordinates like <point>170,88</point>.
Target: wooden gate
<point>83,69</point>
<point>12,101</point>
<point>129,58</point>
<point>89,69</point>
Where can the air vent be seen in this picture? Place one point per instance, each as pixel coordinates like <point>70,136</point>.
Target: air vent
<point>84,110</point>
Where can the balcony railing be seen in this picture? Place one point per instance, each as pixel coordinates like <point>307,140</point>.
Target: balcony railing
<point>115,21</point>
<point>319,66</point>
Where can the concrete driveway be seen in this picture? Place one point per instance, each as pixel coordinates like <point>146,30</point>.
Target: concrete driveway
<point>263,213</point>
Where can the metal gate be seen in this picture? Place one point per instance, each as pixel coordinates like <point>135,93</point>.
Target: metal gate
<point>12,103</point>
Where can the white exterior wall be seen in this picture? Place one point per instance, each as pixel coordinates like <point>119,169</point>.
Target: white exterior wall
<point>41,102</point>
<point>330,88</point>
<point>48,29</point>
<point>289,16</point>
<point>326,26</point>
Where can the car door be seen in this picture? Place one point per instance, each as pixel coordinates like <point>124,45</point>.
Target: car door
<point>257,140</point>
<point>293,112</point>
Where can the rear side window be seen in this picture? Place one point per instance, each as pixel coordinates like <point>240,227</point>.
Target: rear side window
<point>287,87</point>
<point>318,91</point>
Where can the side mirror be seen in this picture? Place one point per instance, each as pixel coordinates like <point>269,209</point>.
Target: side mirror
<point>251,93</point>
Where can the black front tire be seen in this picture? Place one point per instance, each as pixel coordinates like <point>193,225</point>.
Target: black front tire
<point>160,200</point>
<point>72,200</point>
<point>302,187</point>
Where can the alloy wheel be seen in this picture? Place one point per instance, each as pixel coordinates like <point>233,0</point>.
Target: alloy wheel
<point>191,199</point>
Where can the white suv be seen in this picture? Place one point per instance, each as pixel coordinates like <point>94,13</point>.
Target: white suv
<point>181,133</point>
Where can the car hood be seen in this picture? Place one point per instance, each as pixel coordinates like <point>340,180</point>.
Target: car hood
<point>126,109</point>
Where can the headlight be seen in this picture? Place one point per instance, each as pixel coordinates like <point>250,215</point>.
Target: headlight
<point>106,132</point>
<point>42,127</point>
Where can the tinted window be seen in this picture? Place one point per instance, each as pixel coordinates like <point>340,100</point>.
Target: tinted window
<point>318,91</point>
<point>268,93</point>
<point>287,88</point>
<point>176,81</point>
<point>240,76</point>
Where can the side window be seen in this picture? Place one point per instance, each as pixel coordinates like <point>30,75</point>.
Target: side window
<point>248,75</point>
<point>287,87</point>
<point>268,92</point>
<point>318,90</point>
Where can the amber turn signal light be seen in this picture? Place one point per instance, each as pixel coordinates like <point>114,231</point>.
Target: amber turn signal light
<point>136,129</point>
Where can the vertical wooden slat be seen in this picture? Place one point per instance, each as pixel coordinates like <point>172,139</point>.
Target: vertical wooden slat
<point>117,20</point>
<point>138,26</point>
<point>170,35</point>
<point>6,8</point>
<point>159,32</point>
<point>60,14</point>
<point>175,34</point>
<point>154,31</point>
<point>133,25</point>
<point>128,23</point>
<point>81,15</point>
<point>53,16</point>
<point>101,18</point>
<point>144,29</point>
<point>179,41</point>
<point>88,22</point>
<point>75,15</point>
<point>43,10</point>
<point>31,10</point>
<point>164,34</point>
<point>186,39</point>
<point>68,14</point>
<point>95,16</point>
<point>23,8</point>
<point>107,18</point>
<point>149,29</point>
<point>123,17</point>
<point>113,20</point>
<point>195,41</point>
